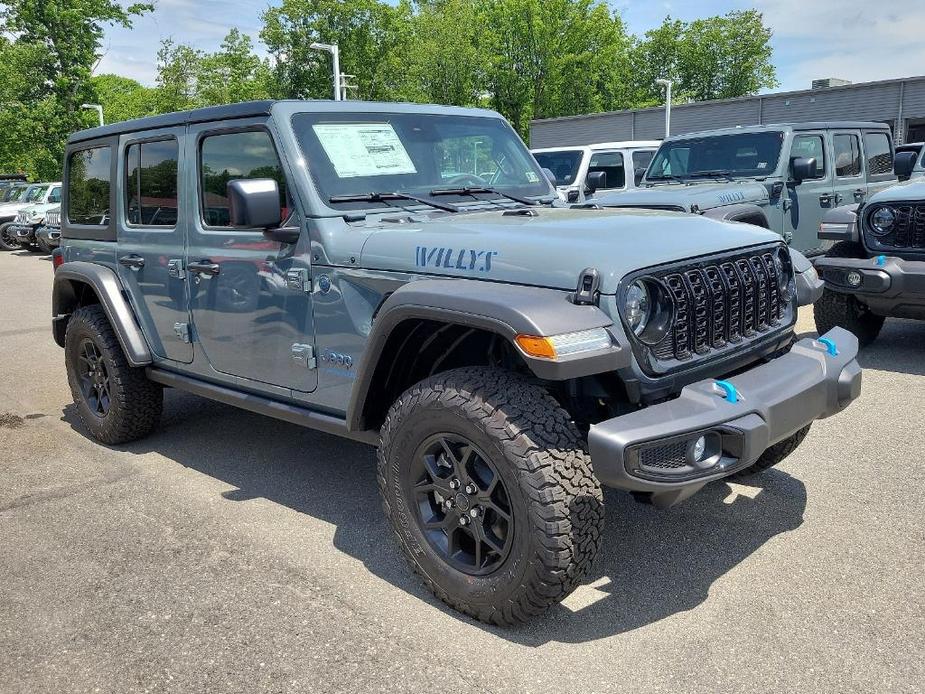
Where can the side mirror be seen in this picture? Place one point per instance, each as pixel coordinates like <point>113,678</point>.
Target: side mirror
<point>903,163</point>
<point>551,176</point>
<point>638,173</point>
<point>802,168</point>
<point>595,180</point>
<point>254,203</point>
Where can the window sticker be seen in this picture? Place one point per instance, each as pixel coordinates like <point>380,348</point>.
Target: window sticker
<point>532,177</point>
<point>364,149</point>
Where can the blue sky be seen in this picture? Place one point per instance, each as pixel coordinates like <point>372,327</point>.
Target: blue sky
<point>852,39</point>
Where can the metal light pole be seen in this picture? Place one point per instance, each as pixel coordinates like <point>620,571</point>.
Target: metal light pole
<point>667,85</point>
<point>335,56</point>
<point>97,108</point>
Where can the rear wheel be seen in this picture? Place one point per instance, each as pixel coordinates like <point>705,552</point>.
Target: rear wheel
<point>7,242</point>
<point>490,493</point>
<point>844,310</point>
<point>115,401</point>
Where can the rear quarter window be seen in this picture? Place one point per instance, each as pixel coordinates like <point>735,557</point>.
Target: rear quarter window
<point>88,186</point>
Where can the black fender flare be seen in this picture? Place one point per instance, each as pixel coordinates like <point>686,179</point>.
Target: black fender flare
<point>740,212</point>
<point>841,224</point>
<point>107,287</point>
<point>808,283</point>
<point>507,310</point>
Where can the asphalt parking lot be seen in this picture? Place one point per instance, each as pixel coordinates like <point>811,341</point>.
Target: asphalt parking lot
<point>233,553</point>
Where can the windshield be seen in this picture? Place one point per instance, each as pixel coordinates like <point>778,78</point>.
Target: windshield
<point>35,193</point>
<point>564,164</point>
<point>14,193</point>
<point>352,154</point>
<point>747,154</point>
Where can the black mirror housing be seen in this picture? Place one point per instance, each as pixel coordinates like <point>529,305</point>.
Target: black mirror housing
<point>802,168</point>
<point>903,163</point>
<point>595,180</point>
<point>254,203</point>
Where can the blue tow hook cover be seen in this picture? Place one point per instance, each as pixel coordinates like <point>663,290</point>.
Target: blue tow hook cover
<point>829,345</point>
<point>728,391</point>
<point>881,260</point>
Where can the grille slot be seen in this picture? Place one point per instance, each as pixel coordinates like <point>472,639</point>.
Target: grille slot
<point>721,302</point>
<point>669,456</point>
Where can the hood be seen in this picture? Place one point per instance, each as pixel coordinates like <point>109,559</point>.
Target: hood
<point>553,247</point>
<point>13,207</point>
<point>913,189</point>
<point>704,195</point>
<point>41,208</point>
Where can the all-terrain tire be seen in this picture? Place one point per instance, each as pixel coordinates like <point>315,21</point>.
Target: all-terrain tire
<point>844,310</point>
<point>555,499</point>
<point>6,242</point>
<point>135,403</point>
<point>774,454</point>
<point>42,245</point>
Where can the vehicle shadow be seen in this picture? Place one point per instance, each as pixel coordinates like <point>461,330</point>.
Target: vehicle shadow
<point>898,347</point>
<point>653,563</point>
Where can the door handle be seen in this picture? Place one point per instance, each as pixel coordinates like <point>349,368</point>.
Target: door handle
<point>825,199</point>
<point>204,267</point>
<point>136,262</point>
<point>838,198</point>
<point>858,194</point>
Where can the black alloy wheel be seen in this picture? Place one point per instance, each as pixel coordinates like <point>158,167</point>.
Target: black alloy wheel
<point>94,378</point>
<point>461,504</point>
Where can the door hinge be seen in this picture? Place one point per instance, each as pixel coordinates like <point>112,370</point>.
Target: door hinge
<point>304,355</point>
<point>175,269</point>
<point>297,280</point>
<point>182,331</point>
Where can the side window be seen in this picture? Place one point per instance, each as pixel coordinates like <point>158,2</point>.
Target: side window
<point>641,160</point>
<point>847,155</point>
<point>611,163</point>
<point>810,146</point>
<point>879,154</point>
<point>88,186</point>
<point>232,157</point>
<point>151,183</point>
<point>55,194</point>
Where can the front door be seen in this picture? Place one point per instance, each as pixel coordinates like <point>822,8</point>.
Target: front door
<point>249,296</point>
<point>806,203</point>
<point>151,222</point>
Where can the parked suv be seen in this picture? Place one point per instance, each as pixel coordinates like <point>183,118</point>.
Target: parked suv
<point>909,161</point>
<point>35,194</point>
<point>781,177</point>
<point>48,235</point>
<point>608,167</point>
<point>29,219</point>
<point>877,267</point>
<point>507,356</point>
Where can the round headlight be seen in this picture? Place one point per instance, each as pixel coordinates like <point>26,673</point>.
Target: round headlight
<point>882,220</point>
<point>637,306</point>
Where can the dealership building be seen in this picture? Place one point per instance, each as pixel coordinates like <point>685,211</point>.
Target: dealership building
<point>899,103</point>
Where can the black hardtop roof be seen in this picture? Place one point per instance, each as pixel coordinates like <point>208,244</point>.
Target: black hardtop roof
<point>200,115</point>
<point>796,127</point>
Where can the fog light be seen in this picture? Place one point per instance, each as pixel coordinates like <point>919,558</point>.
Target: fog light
<point>700,448</point>
<point>854,278</point>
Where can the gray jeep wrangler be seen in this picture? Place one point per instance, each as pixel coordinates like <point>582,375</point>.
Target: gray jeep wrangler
<point>781,177</point>
<point>877,267</point>
<point>397,274</point>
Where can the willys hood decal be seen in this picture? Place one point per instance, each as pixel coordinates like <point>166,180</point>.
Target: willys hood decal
<point>553,247</point>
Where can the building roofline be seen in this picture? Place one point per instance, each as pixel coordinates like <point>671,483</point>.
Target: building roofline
<point>750,97</point>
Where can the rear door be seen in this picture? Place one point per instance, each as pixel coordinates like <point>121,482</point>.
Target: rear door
<point>877,148</point>
<point>811,199</point>
<point>250,297</point>
<point>151,232</point>
<point>850,173</point>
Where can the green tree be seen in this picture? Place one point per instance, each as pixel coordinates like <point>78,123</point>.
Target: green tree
<point>55,45</point>
<point>123,98</point>
<point>178,68</point>
<point>234,73</point>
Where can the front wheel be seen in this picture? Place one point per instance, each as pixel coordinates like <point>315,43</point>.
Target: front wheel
<point>774,454</point>
<point>845,311</point>
<point>489,489</point>
<point>7,242</point>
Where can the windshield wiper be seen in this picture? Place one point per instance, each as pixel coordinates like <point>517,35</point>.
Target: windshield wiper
<point>717,173</point>
<point>386,197</point>
<point>666,177</point>
<point>474,190</point>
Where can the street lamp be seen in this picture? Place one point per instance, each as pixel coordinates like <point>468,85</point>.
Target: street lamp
<point>335,55</point>
<point>667,85</point>
<point>97,108</point>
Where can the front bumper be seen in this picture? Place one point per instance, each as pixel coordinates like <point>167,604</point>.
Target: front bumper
<point>888,286</point>
<point>651,450</point>
<point>51,235</point>
<point>23,233</point>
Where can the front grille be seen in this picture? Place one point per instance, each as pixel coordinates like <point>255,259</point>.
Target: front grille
<point>53,219</point>
<point>22,217</point>
<point>720,303</point>
<point>908,228</point>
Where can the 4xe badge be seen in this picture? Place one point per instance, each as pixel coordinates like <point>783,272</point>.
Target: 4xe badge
<point>451,258</point>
